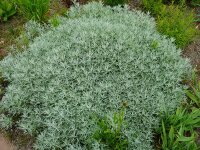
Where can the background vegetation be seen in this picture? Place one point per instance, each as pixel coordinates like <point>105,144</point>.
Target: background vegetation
<point>149,113</point>
<point>175,21</point>
<point>90,68</point>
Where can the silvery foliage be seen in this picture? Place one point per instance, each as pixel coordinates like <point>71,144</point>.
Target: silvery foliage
<point>96,59</point>
<point>32,29</point>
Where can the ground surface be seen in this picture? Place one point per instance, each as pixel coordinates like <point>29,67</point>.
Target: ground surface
<point>192,52</point>
<point>5,144</point>
<point>9,31</point>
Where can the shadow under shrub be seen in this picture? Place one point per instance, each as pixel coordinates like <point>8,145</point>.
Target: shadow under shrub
<point>115,2</point>
<point>91,63</point>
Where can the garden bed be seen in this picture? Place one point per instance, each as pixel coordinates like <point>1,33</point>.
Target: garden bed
<point>14,27</point>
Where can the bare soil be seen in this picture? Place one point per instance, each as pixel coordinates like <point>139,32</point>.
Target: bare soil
<point>5,144</point>
<point>9,31</point>
<point>192,52</point>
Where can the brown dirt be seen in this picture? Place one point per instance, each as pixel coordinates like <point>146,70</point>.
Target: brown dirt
<point>135,4</point>
<point>198,138</point>
<point>15,140</point>
<point>5,144</point>
<point>9,31</point>
<point>57,7</point>
<point>69,3</point>
<point>2,53</point>
<point>21,141</point>
<point>192,52</point>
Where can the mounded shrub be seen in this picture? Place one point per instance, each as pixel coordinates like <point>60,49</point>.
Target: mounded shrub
<point>94,61</point>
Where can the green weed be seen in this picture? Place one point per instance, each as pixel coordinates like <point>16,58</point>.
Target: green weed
<point>7,10</point>
<point>177,23</point>
<point>54,21</point>
<point>110,131</point>
<point>185,118</point>
<point>177,130</point>
<point>194,92</point>
<point>176,140</point>
<point>34,9</point>
<point>154,6</point>
<point>173,20</point>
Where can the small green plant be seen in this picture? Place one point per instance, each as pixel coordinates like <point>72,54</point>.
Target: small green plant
<point>173,20</point>
<point>110,131</point>
<point>154,6</point>
<point>177,130</point>
<point>7,10</point>
<point>34,9</point>
<point>54,21</point>
<point>185,118</point>
<point>176,140</point>
<point>178,23</point>
<point>194,92</point>
<point>115,2</point>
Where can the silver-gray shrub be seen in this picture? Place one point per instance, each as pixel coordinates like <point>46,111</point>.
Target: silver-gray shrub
<point>96,59</point>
